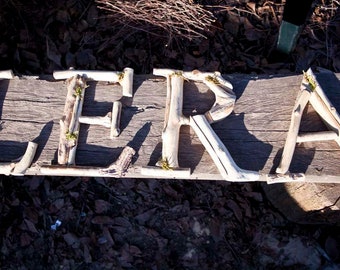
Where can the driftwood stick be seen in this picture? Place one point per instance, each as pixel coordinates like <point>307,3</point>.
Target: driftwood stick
<point>6,168</point>
<point>117,169</point>
<point>26,161</point>
<point>181,173</point>
<point>75,126</point>
<point>89,75</point>
<point>223,90</point>
<point>293,131</point>
<point>6,74</point>
<point>327,113</point>
<point>312,92</point>
<point>317,136</point>
<point>173,123</point>
<point>79,171</point>
<point>321,104</point>
<point>284,178</point>
<point>69,124</point>
<point>104,121</point>
<point>219,153</point>
<point>124,78</point>
<point>126,81</point>
<point>194,75</point>
<point>225,98</point>
<point>115,119</point>
<point>120,166</point>
<point>65,121</point>
<point>111,120</point>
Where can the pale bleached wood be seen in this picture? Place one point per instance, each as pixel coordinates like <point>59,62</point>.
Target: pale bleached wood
<point>254,133</point>
<point>173,122</point>
<point>224,97</point>
<point>26,161</point>
<point>115,122</point>
<point>94,75</point>
<point>111,120</point>
<point>174,119</point>
<point>6,74</point>
<point>219,153</point>
<point>323,106</point>
<point>124,78</point>
<point>293,131</point>
<point>310,92</point>
<point>317,136</point>
<point>127,82</point>
<point>6,168</point>
<point>69,123</point>
<point>121,165</point>
<point>19,168</point>
<point>104,121</point>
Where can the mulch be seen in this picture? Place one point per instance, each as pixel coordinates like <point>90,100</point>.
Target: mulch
<point>101,223</point>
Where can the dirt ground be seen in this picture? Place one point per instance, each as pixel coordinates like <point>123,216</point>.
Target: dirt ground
<point>101,223</point>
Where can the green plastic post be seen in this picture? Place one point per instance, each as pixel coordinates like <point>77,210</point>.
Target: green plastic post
<point>288,36</point>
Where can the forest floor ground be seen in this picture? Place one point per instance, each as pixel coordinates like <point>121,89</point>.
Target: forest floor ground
<point>100,223</point>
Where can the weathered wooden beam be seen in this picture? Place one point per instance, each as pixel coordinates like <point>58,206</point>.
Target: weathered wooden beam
<point>254,133</point>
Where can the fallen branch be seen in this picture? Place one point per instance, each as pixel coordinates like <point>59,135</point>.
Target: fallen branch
<point>19,168</point>
<point>69,123</point>
<point>219,153</point>
<point>117,169</point>
<point>124,78</point>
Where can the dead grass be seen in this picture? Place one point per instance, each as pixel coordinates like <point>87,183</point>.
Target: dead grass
<point>173,18</point>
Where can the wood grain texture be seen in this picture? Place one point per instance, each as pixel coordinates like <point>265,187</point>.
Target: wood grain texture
<point>30,110</point>
<point>254,134</point>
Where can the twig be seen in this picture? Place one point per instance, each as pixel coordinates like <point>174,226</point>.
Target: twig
<point>178,18</point>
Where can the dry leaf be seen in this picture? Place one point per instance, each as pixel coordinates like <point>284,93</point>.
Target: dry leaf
<point>144,217</point>
<point>71,239</point>
<point>87,255</point>
<point>30,226</point>
<point>25,239</point>
<point>101,206</point>
<point>236,209</point>
<point>102,220</point>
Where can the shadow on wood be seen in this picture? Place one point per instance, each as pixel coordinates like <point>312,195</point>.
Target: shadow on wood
<point>11,150</point>
<point>3,90</point>
<point>303,157</point>
<point>307,203</point>
<point>42,139</point>
<point>241,143</point>
<point>310,203</point>
<point>139,138</point>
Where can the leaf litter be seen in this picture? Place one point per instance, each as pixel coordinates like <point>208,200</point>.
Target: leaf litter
<point>99,223</point>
